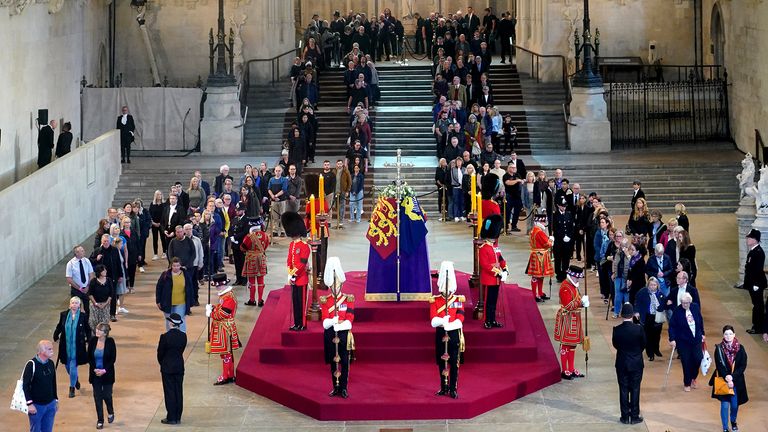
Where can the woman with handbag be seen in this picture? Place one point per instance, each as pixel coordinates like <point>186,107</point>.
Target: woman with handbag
<point>102,354</point>
<point>686,333</point>
<point>728,383</point>
<point>649,310</point>
<point>72,333</point>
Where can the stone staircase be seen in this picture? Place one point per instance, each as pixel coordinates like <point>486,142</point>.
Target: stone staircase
<point>544,114</point>
<point>505,80</point>
<point>701,187</point>
<point>142,182</point>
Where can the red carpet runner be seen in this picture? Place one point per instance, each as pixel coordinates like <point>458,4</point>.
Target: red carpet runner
<point>395,376</point>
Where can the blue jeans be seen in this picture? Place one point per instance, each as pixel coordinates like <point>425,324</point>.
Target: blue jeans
<point>355,205</point>
<point>619,296</point>
<point>457,203</point>
<point>342,197</point>
<point>71,367</point>
<point>733,404</point>
<point>182,311</point>
<point>664,287</point>
<point>43,420</point>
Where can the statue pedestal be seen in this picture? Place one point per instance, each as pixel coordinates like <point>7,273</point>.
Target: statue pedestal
<point>760,224</point>
<point>219,131</point>
<point>745,217</point>
<point>589,112</point>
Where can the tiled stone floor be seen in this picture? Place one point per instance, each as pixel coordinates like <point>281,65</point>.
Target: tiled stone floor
<point>589,404</point>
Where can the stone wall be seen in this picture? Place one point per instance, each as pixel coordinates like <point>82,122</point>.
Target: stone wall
<point>43,217</point>
<point>626,27</point>
<point>45,55</point>
<point>745,25</point>
<point>179,35</point>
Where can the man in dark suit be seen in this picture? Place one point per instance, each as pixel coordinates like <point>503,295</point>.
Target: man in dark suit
<point>755,281</point>
<point>637,192</point>
<point>629,341</point>
<point>127,128</point>
<point>45,144</point>
<point>521,171</point>
<point>172,217</point>
<point>170,355</point>
<point>676,294</point>
<point>660,267</point>
<point>565,193</point>
<point>471,20</point>
<point>563,233</point>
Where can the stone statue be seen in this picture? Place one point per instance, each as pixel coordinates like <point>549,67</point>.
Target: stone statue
<point>237,48</point>
<point>747,177</point>
<point>760,193</point>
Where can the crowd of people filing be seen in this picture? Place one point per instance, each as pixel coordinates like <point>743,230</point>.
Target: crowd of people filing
<point>650,263</point>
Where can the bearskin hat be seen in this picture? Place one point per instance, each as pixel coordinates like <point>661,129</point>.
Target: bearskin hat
<point>489,185</point>
<point>492,226</point>
<point>293,224</point>
<point>312,184</point>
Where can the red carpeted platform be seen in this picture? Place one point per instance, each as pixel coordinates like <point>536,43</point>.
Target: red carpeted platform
<point>395,376</point>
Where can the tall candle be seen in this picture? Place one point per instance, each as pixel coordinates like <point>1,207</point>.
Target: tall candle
<point>312,217</point>
<point>478,200</point>
<point>472,193</point>
<point>322,194</point>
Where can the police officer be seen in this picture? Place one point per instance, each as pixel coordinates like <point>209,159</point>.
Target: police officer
<point>563,227</point>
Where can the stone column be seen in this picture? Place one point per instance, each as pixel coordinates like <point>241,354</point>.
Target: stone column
<point>589,113</point>
<point>221,132</point>
<point>745,216</point>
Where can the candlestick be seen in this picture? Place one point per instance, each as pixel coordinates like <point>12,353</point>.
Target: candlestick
<point>321,192</point>
<point>478,199</point>
<point>472,193</point>
<point>313,221</point>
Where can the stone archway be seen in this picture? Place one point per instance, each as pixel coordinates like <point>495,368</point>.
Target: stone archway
<point>717,35</point>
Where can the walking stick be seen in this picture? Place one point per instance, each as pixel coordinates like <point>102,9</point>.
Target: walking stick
<point>586,344</point>
<point>669,366</point>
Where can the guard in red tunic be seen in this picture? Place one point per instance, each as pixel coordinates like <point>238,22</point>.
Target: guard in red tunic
<point>223,336</point>
<point>298,267</point>
<point>255,245</point>
<point>447,313</point>
<point>540,263</point>
<point>312,185</point>
<point>338,313</point>
<point>489,188</point>
<point>493,267</point>
<point>568,328</point>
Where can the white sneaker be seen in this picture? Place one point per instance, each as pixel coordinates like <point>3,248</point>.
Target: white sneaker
<point>456,219</point>
<point>122,310</point>
<point>361,212</point>
<point>141,269</point>
<point>155,258</point>
<point>463,219</point>
<point>165,256</point>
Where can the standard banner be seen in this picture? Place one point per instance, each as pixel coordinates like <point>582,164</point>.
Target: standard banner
<point>166,118</point>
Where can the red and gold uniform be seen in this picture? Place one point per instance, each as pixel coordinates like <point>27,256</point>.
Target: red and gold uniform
<point>453,346</point>
<point>338,313</point>
<point>254,246</point>
<point>492,265</point>
<point>298,259</point>
<point>224,338</point>
<point>568,328</point>
<point>540,264</point>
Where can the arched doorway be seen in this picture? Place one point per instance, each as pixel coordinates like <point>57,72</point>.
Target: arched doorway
<point>717,35</point>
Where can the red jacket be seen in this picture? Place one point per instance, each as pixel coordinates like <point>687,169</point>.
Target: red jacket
<point>490,207</point>
<point>298,258</point>
<point>343,307</point>
<point>490,257</point>
<point>455,307</point>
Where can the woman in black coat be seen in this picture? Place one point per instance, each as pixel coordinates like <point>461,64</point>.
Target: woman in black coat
<point>72,333</point>
<point>636,273</point>
<point>649,301</point>
<point>102,354</point>
<point>730,363</point>
<point>687,338</point>
<point>688,251</point>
